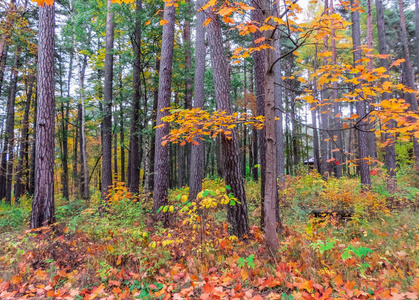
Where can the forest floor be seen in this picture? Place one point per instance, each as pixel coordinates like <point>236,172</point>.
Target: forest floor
<point>373,253</point>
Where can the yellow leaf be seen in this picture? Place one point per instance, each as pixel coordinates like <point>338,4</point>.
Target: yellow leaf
<point>225,11</point>
<point>163,22</point>
<point>381,70</point>
<point>397,62</point>
<point>266,27</point>
<point>244,274</point>
<point>207,21</point>
<point>184,198</point>
<point>259,40</point>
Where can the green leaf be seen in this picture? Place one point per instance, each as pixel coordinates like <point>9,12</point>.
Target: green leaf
<point>232,202</point>
<point>228,187</point>
<point>206,192</point>
<point>240,262</point>
<point>159,209</point>
<point>346,254</point>
<point>165,208</point>
<point>178,197</point>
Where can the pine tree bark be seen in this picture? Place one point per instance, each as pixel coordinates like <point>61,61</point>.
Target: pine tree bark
<point>410,77</point>
<point>271,191</point>
<point>259,70</point>
<point>83,151</point>
<point>316,153</point>
<point>43,200</point>
<point>161,156</point>
<point>236,214</point>
<point>280,161</point>
<point>134,160</point>
<point>107,105</point>
<point>122,139</point>
<point>197,155</point>
<point>390,152</point>
<point>324,113</point>
<point>19,186</point>
<point>10,125</point>
<point>360,104</point>
<point>337,135</point>
<point>372,147</point>
<point>417,34</point>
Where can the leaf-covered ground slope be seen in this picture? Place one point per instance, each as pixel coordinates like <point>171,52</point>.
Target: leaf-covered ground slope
<point>370,252</point>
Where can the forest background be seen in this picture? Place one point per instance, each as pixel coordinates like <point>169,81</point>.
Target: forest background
<point>221,150</point>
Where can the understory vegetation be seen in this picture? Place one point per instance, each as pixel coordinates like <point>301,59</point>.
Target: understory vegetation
<point>337,241</point>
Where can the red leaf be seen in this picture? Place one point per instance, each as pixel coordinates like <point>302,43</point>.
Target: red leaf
<point>373,172</point>
<point>208,288</point>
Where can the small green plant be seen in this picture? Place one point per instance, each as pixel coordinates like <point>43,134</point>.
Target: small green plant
<point>248,261</point>
<point>360,252</point>
<point>323,246</point>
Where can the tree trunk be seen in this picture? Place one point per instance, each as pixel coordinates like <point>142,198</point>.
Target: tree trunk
<point>271,192</point>
<point>324,112</point>
<point>134,160</point>
<point>197,155</point>
<point>360,104</point>
<point>417,34</point>
<point>83,151</point>
<point>10,125</point>
<point>410,79</point>
<point>107,105</point>
<point>259,68</point>
<point>153,137</point>
<point>337,135</point>
<point>280,166</point>
<point>161,157</point>
<point>19,186</point>
<point>390,152</point>
<point>236,214</point>
<point>121,139</point>
<point>43,200</point>
<point>188,85</point>
<point>316,154</point>
<point>372,148</point>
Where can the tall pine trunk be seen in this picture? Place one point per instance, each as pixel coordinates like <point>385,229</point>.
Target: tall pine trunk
<point>197,155</point>
<point>236,214</point>
<point>43,200</point>
<point>134,160</point>
<point>10,125</point>
<point>19,186</point>
<point>390,152</point>
<point>259,71</point>
<point>360,104</point>
<point>337,135</point>
<point>161,156</point>
<point>107,105</point>
<point>410,78</point>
